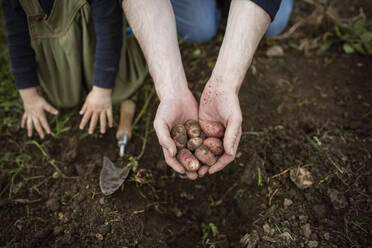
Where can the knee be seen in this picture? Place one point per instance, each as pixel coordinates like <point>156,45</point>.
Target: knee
<point>281,19</point>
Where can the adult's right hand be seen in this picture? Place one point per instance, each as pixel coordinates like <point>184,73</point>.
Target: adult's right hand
<point>34,116</point>
<point>174,109</point>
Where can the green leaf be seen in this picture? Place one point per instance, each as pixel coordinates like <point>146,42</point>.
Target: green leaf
<point>325,46</point>
<point>338,31</point>
<point>358,47</point>
<point>196,52</point>
<point>368,25</point>
<point>359,26</point>
<point>214,229</point>
<point>348,48</point>
<point>367,41</point>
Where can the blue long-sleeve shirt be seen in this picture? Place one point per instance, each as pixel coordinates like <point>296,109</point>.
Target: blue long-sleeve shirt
<point>108,22</point>
<point>270,6</point>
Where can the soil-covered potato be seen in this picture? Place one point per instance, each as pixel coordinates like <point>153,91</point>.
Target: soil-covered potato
<point>194,143</point>
<point>179,136</point>
<point>188,160</point>
<point>205,155</point>
<point>212,129</point>
<point>192,128</point>
<point>215,145</point>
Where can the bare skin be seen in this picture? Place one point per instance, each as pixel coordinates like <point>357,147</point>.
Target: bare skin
<point>34,115</point>
<point>247,23</point>
<point>153,24</point>
<point>97,107</point>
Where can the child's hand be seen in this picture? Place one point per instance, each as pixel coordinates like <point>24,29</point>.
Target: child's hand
<point>34,116</point>
<point>97,106</point>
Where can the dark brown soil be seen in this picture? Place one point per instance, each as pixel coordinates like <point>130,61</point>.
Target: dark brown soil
<point>299,111</point>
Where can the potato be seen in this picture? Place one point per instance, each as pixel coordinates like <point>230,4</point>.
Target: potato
<point>194,143</point>
<point>212,129</point>
<point>188,160</point>
<point>205,155</point>
<point>192,128</point>
<point>215,145</point>
<point>179,136</point>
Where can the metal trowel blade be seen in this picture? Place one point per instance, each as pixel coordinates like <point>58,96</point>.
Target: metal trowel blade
<point>111,177</point>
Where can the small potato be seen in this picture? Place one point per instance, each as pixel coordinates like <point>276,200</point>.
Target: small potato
<point>212,129</point>
<point>192,128</point>
<point>205,155</point>
<point>188,160</point>
<point>179,136</point>
<point>214,145</point>
<point>194,143</point>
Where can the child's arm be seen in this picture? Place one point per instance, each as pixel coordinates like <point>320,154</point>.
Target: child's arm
<point>108,23</point>
<point>22,56</point>
<point>24,69</point>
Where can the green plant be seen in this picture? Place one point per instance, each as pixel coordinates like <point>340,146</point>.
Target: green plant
<point>208,229</point>
<point>61,125</point>
<point>355,37</point>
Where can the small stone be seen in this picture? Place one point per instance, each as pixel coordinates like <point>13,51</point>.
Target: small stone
<point>250,240</point>
<point>338,199</point>
<point>99,236</point>
<point>306,230</point>
<point>287,202</point>
<point>286,236</point>
<point>239,154</point>
<point>327,236</point>
<point>275,51</point>
<point>266,228</point>
<point>102,201</point>
<point>313,244</point>
<point>301,177</point>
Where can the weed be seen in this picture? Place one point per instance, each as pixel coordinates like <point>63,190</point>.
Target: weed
<point>60,125</point>
<point>356,37</point>
<point>259,177</point>
<point>214,203</point>
<point>208,229</point>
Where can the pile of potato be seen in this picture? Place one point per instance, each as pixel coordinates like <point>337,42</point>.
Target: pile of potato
<point>198,144</point>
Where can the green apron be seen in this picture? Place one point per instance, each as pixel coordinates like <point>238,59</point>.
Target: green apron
<point>65,43</point>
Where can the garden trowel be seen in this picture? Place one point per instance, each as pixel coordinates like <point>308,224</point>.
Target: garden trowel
<point>112,177</point>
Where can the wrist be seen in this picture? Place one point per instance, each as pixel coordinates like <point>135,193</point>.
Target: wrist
<point>102,91</point>
<point>172,90</point>
<point>28,94</point>
<point>225,83</point>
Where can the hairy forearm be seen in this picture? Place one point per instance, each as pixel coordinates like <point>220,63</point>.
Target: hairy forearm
<point>247,23</point>
<point>154,26</point>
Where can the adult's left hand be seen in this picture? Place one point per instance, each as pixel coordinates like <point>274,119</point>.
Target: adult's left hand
<point>97,105</point>
<point>219,102</point>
